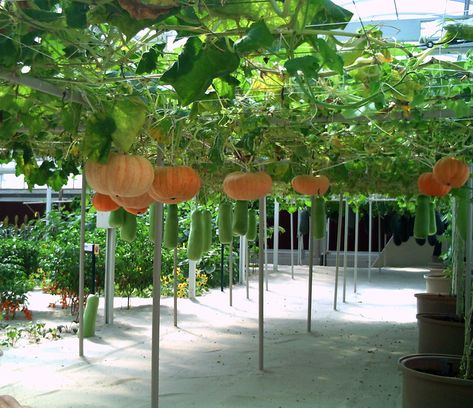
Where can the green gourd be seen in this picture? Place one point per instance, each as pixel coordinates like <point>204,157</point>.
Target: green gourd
<point>128,229</point>
<point>240,218</point>
<point>117,218</point>
<point>318,218</point>
<point>432,221</point>
<point>152,222</point>
<point>225,221</point>
<point>195,241</point>
<point>206,231</point>
<point>461,211</point>
<point>422,220</point>
<point>171,227</point>
<point>252,229</point>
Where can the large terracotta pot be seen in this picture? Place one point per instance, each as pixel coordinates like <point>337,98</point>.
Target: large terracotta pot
<point>431,381</point>
<point>442,334</point>
<point>435,303</point>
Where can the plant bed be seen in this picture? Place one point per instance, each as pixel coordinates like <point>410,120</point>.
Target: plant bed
<point>440,333</point>
<point>435,303</point>
<point>431,380</point>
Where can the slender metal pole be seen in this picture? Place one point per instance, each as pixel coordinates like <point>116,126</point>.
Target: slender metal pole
<point>261,288</point>
<point>300,239</point>
<point>469,248</point>
<point>247,268</point>
<point>157,261</point>
<point>370,235</point>
<point>109,273</point>
<point>345,251</point>
<point>266,272</point>
<point>379,242</point>
<point>222,256</point>
<point>292,244</point>
<point>241,260</point>
<point>384,252</point>
<point>174,285</point>
<point>311,270</point>
<point>49,201</point>
<point>339,241</point>
<point>276,237</point>
<point>82,264</point>
<point>326,241</point>
<point>230,274</point>
<point>192,270</point>
<point>355,265</point>
<point>466,8</point>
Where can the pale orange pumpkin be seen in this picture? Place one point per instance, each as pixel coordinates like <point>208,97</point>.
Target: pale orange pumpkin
<point>136,211</point>
<point>174,184</point>
<point>430,186</point>
<point>310,185</point>
<point>138,202</point>
<point>96,176</point>
<point>451,172</point>
<point>247,186</point>
<point>103,202</point>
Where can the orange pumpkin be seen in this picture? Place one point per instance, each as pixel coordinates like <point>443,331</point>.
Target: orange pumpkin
<point>451,172</point>
<point>138,202</point>
<point>96,176</point>
<point>310,185</point>
<point>103,202</point>
<point>174,185</point>
<point>247,186</point>
<point>136,211</point>
<point>428,185</point>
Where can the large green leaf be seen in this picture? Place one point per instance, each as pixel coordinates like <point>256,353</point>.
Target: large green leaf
<point>149,60</point>
<point>329,56</point>
<point>98,137</point>
<point>308,65</point>
<point>197,66</point>
<point>76,14</point>
<point>129,114</point>
<point>337,17</point>
<point>258,36</point>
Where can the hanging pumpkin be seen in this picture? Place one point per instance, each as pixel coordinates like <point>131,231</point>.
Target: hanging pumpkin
<point>451,172</point>
<point>174,185</point>
<point>247,186</point>
<point>136,211</point>
<point>428,185</point>
<point>103,202</point>
<point>141,201</point>
<point>96,176</point>
<point>310,185</point>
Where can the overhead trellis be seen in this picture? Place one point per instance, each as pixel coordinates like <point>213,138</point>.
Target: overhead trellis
<point>222,85</point>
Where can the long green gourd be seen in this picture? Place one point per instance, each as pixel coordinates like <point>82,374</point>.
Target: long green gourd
<point>461,213</point>
<point>225,222</point>
<point>206,231</point>
<point>152,222</point>
<point>240,218</point>
<point>252,229</point>
<point>128,229</point>
<point>318,218</point>
<point>171,227</point>
<point>195,241</point>
<point>432,220</point>
<point>117,218</point>
<point>422,220</point>
<point>90,315</point>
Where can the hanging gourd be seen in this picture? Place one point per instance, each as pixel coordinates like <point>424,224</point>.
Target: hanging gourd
<point>117,218</point>
<point>103,202</point>
<point>128,229</point>
<point>195,241</point>
<point>171,227</point>
<point>422,219</point>
<point>451,172</point>
<point>240,218</point>
<point>310,185</point>
<point>174,185</point>
<point>207,231</point>
<point>138,202</point>
<point>225,222</point>
<point>318,218</point>
<point>430,186</point>
<point>303,228</point>
<point>252,227</point>
<point>247,186</point>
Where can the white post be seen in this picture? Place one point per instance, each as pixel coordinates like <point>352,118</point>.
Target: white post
<point>339,240</point>
<point>265,224</point>
<point>49,202</point>
<point>247,268</point>
<point>110,245</point>
<point>241,261</point>
<point>311,271</point>
<point>327,240</point>
<point>370,227</point>
<point>174,285</point>
<point>355,265</point>
<point>379,242</point>
<point>192,268</point>
<point>300,239</point>
<point>82,264</point>
<point>292,244</point>
<point>276,237</point>
<point>345,250</point>
<point>230,274</point>
<point>262,213</point>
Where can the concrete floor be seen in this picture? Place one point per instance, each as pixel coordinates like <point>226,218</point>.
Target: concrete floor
<point>211,359</point>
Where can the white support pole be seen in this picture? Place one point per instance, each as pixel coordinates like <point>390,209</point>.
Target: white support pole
<point>230,274</point>
<point>192,269</point>
<point>311,271</point>
<point>155,330</point>
<point>292,244</point>
<point>379,241</point>
<point>300,239</point>
<point>265,218</point>
<point>110,245</point>
<point>261,288</point>
<point>174,285</point>
<point>370,235</point>
<point>327,240</point>
<point>345,251</point>
<point>276,237</point>
<point>469,250</point>
<point>339,241</point>
<point>355,264</point>
<point>82,264</point>
<point>241,260</point>
<point>247,268</point>
<point>49,202</point>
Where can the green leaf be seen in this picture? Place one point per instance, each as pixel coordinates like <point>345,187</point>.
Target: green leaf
<point>129,115</point>
<point>197,66</point>
<point>460,107</point>
<point>216,151</point>
<point>42,15</point>
<point>258,36</point>
<point>98,137</point>
<point>308,64</point>
<point>337,17</point>
<point>225,87</point>
<point>71,117</point>
<point>76,14</point>
<point>8,52</point>
<point>149,60</point>
<point>329,56</point>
